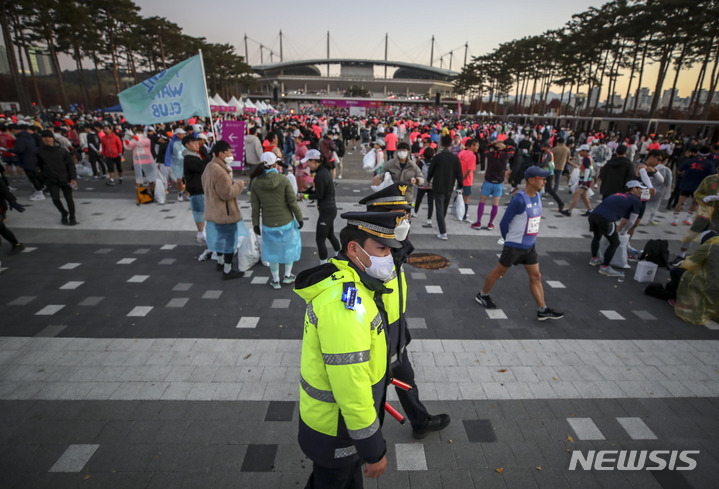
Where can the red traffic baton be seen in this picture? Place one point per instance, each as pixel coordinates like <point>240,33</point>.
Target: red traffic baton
<point>394,413</point>
<point>402,385</point>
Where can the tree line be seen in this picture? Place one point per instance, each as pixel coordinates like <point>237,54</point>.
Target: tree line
<point>594,49</point>
<point>107,35</point>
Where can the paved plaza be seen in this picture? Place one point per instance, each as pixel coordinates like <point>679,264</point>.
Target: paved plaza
<point>126,363</point>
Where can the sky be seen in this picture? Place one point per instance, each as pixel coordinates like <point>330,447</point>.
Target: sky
<point>359,32</point>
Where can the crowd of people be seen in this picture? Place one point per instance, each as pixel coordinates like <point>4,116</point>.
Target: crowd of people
<point>435,156</point>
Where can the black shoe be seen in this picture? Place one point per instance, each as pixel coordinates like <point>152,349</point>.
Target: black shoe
<point>16,249</point>
<point>486,301</point>
<point>435,423</point>
<point>110,183</point>
<point>219,267</point>
<point>64,220</point>
<point>586,213</point>
<point>549,314</point>
<point>73,222</point>
<point>233,274</point>
<point>566,212</point>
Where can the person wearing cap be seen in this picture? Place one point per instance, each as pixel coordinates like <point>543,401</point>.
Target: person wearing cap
<point>223,219</point>
<point>648,175</point>
<point>177,158</point>
<point>193,166</point>
<point>324,193</point>
<point>520,227</point>
<point>343,366</point>
<point>603,219</point>
<point>699,282</point>
<point>112,152</point>
<point>585,180</point>
<point>275,201</point>
<point>493,186</point>
<point>379,157</point>
<point>692,172</point>
<point>394,199</point>
<point>204,147</point>
<point>59,172</point>
<point>143,163</point>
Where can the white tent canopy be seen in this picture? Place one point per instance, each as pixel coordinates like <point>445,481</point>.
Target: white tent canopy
<point>219,101</point>
<point>236,103</point>
<point>250,105</point>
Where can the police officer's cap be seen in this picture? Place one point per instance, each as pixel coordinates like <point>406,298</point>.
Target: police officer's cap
<point>390,198</point>
<point>377,225</point>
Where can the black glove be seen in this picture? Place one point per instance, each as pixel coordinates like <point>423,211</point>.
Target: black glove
<point>17,207</point>
<point>300,223</point>
<point>257,230</point>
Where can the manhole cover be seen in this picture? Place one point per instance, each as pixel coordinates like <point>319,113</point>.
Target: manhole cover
<point>428,261</point>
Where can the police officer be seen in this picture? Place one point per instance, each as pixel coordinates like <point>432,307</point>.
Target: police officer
<point>343,368</point>
<point>392,199</point>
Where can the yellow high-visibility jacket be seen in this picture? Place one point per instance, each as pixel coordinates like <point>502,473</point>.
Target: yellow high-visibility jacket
<point>343,365</point>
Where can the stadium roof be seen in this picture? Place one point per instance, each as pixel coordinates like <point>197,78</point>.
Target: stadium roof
<point>432,70</point>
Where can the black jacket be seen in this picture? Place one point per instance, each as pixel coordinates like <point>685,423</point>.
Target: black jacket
<point>444,170</point>
<point>6,197</point>
<point>26,150</point>
<point>615,174</point>
<point>56,164</point>
<point>194,165</point>
<point>324,191</point>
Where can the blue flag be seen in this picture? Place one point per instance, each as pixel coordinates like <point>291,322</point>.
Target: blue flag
<point>177,93</point>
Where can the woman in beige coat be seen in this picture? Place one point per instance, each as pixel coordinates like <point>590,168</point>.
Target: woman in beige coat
<point>224,223</point>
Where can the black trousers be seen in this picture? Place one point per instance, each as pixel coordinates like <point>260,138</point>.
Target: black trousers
<point>441,202</point>
<point>7,234</point>
<point>344,477</point>
<point>549,188</point>
<point>430,201</point>
<point>98,164</point>
<point>326,230</point>
<point>35,178</point>
<point>413,407</point>
<point>54,189</point>
<point>601,226</point>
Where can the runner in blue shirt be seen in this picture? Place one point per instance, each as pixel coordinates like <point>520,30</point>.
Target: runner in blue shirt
<point>602,222</point>
<point>519,227</point>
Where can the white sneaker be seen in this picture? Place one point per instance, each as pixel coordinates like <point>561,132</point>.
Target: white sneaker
<point>179,197</point>
<point>37,195</point>
<point>610,272</point>
<point>201,238</point>
<point>443,237</point>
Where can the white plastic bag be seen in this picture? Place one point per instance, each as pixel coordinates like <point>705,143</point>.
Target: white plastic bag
<point>83,169</point>
<point>293,181</point>
<point>248,251</point>
<point>369,160</point>
<point>386,182</point>
<point>458,207</point>
<point>574,180</point>
<point>620,259</point>
<point>160,189</point>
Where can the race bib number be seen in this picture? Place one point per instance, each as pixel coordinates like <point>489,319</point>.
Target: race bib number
<point>533,226</point>
<point>645,195</point>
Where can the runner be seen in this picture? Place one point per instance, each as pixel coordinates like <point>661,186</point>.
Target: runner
<point>520,226</point>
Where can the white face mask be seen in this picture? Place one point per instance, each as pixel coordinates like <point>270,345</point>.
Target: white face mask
<point>229,160</point>
<point>381,267</point>
<point>402,154</point>
<point>402,230</point>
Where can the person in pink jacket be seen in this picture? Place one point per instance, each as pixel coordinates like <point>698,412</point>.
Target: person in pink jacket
<point>142,160</point>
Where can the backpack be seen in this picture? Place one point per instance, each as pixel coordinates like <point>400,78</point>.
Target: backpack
<point>656,251</point>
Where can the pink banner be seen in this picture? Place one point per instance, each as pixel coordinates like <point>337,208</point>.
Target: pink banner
<point>345,103</point>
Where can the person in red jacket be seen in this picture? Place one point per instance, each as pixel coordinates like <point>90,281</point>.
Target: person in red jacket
<point>112,151</point>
